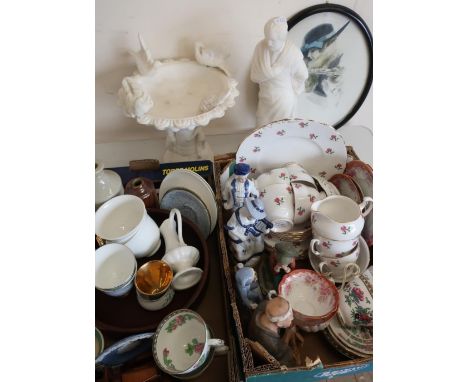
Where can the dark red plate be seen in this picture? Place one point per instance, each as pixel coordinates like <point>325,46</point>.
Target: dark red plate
<point>125,315</point>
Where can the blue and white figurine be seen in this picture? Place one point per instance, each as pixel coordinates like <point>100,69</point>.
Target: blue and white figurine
<point>247,286</point>
<point>246,228</point>
<point>237,188</point>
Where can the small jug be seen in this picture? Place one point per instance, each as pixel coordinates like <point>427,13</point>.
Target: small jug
<point>338,217</point>
<point>180,256</point>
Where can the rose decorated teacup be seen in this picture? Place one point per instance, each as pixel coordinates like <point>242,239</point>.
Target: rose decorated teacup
<point>276,176</point>
<point>313,298</point>
<point>153,285</point>
<point>322,246</point>
<point>182,343</point>
<point>297,173</point>
<point>338,217</point>
<point>304,196</point>
<point>279,206</point>
<point>115,269</point>
<point>124,220</point>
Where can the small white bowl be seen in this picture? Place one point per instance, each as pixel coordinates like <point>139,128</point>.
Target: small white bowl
<point>115,269</point>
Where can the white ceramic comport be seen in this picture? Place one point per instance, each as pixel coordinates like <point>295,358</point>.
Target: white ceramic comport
<point>338,217</point>
<point>313,298</point>
<point>115,269</point>
<point>182,343</point>
<point>124,220</point>
<point>180,256</point>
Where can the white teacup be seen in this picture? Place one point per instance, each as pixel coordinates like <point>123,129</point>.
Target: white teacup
<point>304,196</point>
<point>279,206</point>
<point>124,220</point>
<point>115,269</point>
<point>344,267</point>
<point>322,246</point>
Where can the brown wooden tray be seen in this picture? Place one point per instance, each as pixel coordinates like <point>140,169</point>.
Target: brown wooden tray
<point>125,315</point>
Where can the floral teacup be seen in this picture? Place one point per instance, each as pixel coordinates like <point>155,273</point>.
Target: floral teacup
<point>278,201</point>
<point>304,196</point>
<point>322,246</point>
<point>182,343</point>
<point>356,302</point>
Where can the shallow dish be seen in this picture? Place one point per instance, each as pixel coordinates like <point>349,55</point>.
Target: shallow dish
<point>125,350</point>
<point>189,180</point>
<point>313,298</point>
<point>357,339</point>
<point>190,207</point>
<point>362,260</point>
<point>99,342</point>
<point>356,303</point>
<point>317,147</point>
<point>362,174</point>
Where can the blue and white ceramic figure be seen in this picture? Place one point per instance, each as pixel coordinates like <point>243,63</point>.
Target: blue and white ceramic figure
<point>246,228</point>
<point>237,188</point>
<point>247,286</point>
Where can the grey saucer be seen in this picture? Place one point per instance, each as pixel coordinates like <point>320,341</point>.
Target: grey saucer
<point>190,207</point>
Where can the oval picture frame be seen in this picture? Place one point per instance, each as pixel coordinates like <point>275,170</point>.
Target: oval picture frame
<point>337,47</point>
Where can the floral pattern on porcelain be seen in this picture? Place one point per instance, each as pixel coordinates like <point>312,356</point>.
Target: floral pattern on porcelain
<point>194,347</point>
<point>167,361</point>
<point>345,229</point>
<point>281,132</point>
<point>178,321</point>
<point>300,211</point>
<point>279,200</point>
<point>334,137</point>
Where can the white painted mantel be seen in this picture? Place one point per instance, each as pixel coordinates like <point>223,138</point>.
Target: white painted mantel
<point>170,29</point>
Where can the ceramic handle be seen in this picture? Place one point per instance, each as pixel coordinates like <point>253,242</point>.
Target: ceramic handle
<point>328,274</point>
<point>366,206</point>
<point>355,270</point>
<point>312,246</point>
<point>215,342</point>
<point>179,226</point>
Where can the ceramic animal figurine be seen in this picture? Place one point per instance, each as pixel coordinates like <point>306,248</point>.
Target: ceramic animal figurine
<point>268,327</point>
<point>210,57</point>
<point>237,188</point>
<point>246,228</point>
<point>247,286</point>
<point>286,255</point>
<point>279,69</point>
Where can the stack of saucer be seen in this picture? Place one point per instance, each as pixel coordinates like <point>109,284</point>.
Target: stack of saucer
<point>192,196</point>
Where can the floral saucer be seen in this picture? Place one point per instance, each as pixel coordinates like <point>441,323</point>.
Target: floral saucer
<point>345,184</point>
<point>363,259</point>
<point>357,340</point>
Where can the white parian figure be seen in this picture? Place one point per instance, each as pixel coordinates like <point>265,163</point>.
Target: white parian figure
<point>246,228</point>
<point>237,188</point>
<point>279,69</point>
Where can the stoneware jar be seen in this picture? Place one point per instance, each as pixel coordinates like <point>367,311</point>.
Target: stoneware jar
<point>339,217</point>
<point>144,189</point>
<point>107,185</point>
<point>124,220</point>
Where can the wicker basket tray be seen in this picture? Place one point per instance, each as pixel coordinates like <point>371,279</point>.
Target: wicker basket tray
<point>265,366</point>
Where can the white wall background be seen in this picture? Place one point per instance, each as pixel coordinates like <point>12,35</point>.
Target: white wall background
<point>170,29</point>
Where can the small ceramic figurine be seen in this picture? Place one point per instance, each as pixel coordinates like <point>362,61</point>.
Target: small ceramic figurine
<point>286,255</point>
<point>237,188</point>
<point>247,286</point>
<point>269,325</point>
<point>279,69</point>
<point>246,228</point>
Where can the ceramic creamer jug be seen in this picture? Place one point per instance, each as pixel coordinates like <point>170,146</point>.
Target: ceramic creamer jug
<point>338,217</point>
<point>180,256</point>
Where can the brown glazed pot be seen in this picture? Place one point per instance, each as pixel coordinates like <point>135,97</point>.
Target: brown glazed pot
<point>144,189</point>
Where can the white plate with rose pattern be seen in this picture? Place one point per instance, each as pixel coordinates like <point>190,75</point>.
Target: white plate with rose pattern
<point>317,147</point>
